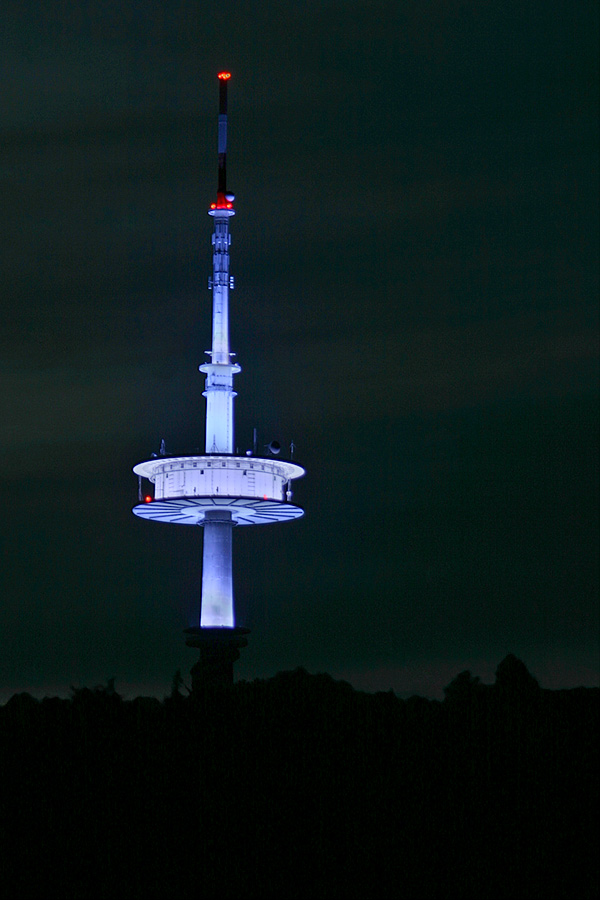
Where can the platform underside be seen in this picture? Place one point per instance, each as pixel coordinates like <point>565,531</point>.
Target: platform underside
<point>244,510</point>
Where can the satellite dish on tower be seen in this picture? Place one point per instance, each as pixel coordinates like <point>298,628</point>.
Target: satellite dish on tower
<point>274,447</point>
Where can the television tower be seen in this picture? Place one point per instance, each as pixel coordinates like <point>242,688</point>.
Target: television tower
<point>219,490</point>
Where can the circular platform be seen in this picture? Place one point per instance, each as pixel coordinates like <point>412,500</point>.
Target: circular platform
<point>244,510</point>
<point>152,468</point>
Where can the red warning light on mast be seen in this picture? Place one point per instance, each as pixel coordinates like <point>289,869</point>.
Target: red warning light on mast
<point>224,76</point>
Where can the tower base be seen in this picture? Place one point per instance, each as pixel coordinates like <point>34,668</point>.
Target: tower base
<point>219,649</point>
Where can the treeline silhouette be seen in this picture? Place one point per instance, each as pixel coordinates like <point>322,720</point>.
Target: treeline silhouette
<point>301,787</point>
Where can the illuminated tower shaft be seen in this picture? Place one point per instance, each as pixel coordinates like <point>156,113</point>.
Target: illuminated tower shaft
<point>220,370</point>
<point>217,572</point>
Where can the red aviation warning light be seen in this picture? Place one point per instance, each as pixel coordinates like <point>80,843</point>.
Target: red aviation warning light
<point>224,76</point>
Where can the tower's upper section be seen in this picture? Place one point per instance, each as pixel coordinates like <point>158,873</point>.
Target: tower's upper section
<point>220,370</point>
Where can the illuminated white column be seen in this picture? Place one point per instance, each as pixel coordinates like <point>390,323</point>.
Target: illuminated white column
<point>217,575</point>
<point>221,240</point>
<point>220,370</point>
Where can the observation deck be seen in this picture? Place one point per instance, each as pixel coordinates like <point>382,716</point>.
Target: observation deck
<point>255,490</point>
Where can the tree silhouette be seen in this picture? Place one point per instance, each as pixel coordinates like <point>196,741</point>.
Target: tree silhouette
<point>300,786</point>
<point>514,680</point>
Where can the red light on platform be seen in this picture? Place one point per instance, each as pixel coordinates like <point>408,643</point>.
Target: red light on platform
<point>213,205</point>
<point>148,499</point>
<point>230,206</point>
<point>224,76</point>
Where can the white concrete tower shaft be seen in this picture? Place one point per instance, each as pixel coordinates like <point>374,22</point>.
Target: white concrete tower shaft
<point>216,610</point>
<point>219,372</point>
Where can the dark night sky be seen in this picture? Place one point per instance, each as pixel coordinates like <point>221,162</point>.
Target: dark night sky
<point>416,262</point>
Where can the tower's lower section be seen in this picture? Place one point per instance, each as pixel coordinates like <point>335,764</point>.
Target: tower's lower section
<point>217,575</point>
<point>219,649</point>
<point>217,491</point>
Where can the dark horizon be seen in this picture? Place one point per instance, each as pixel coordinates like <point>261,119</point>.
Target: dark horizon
<point>301,787</point>
<point>183,676</point>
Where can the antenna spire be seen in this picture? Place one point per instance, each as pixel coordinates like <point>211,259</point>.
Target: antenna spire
<point>222,178</point>
<point>224,197</point>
